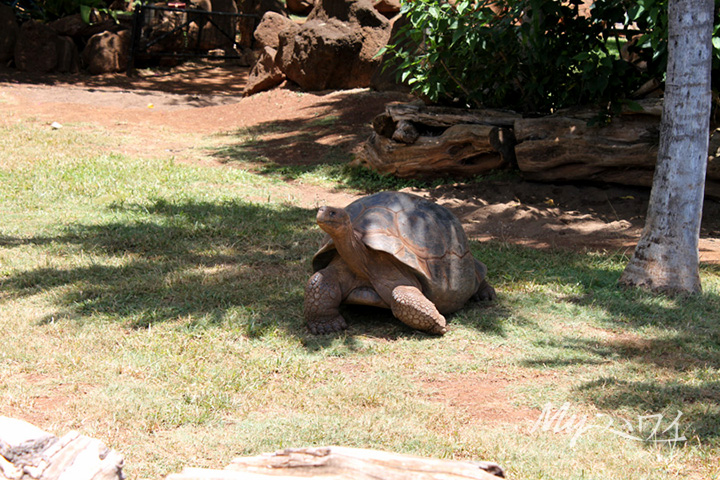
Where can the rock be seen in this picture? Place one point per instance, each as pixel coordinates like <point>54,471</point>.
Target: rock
<point>74,26</point>
<point>267,34</point>
<point>107,52</point>
<point>68,57</point>
<point>265,74</point>
<point>247,25</point>
<point>36,48</point>
<point>300,7</point>
<point>389,8</point>
<point>336,47</point>
<point>385,78</point>
<point>9,30</point>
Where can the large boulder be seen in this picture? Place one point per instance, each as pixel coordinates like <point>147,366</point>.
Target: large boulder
<point>258,8</point>
<point>9,30</point>
<point>265,74</point>
<point>107,52</point>
<point>336,47</point>
<point>36,48</point>
<point>267,33</point>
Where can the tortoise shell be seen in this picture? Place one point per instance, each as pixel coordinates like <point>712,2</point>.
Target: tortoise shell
<point>420,234</point>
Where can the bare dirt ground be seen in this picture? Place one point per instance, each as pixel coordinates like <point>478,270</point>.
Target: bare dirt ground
<point>167,111</point>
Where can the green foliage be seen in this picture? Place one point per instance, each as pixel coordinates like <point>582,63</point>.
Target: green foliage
<point>54,9</point>
<point>531,55</point>
<point>60,8</point>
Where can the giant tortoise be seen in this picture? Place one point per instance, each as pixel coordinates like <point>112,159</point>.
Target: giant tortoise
<point>393,250</point>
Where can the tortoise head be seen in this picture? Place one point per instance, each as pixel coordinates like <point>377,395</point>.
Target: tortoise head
<point>334,221</point>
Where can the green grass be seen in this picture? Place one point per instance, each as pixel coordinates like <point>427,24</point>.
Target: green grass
<point>157,307</point>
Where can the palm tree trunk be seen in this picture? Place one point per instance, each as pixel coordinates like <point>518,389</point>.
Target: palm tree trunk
<point>666,257</point>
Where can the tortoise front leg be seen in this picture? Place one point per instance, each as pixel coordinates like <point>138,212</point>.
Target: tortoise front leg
<point>323,295</point>
<point>411,307</point>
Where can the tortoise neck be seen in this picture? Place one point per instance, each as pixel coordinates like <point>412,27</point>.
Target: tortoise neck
<point>354,252</point>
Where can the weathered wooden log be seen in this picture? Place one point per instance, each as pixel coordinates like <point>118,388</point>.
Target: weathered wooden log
<point>342,463</point>
<point>561,148</point>
<point>405,132</point>
<point>461,150</point>
<point>27,452</point>
<point>446,117</point>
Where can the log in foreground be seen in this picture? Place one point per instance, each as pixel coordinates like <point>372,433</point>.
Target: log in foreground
<point>29,453</point>
<point>343,463</point>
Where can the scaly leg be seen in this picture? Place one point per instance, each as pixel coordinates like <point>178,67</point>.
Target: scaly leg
<point>323,295</point>
<point>411,307</point>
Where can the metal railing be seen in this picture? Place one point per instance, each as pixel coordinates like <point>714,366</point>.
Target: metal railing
<point>149,41</point>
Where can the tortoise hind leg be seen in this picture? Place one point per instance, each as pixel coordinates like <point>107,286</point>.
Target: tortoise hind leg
<point>485,291</point>
<point>411,307</point>
<point>323,295</point>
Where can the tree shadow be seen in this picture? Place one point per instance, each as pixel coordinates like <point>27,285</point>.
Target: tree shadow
<point>202,264</point>
<point>652,354</point>
<point>231,263</point>
<point>327,132</point>
<point>190,78</point>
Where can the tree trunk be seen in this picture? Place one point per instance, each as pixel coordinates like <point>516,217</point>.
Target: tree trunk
<point>666,257</point>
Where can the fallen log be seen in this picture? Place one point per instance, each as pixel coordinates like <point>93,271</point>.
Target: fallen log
<point>29,453</point>
<point>561,148</point>
<point>461,150</point>
<point>564,148</point>
<point>343,463</point>
<point>447,117</point>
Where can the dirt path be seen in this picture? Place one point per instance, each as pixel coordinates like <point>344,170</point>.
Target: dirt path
<point>172,111</point>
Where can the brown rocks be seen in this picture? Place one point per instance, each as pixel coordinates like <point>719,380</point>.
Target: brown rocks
<point>265,74</point>
<point>247,25</point>
<point>107,52</point>
<point>36,48</point>
<point>336,47</point>
<point>389,8</point>
<point>267,34</point>
<point>221,32</point>
<point>9,30</point>
<point>300,7</point>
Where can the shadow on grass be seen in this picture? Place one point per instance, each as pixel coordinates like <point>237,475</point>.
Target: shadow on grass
<point>233,264</point>
<point>649,354</point>
<point>229,263</point>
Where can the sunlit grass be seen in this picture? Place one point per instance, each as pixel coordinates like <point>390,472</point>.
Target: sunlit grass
<point>158,307</point>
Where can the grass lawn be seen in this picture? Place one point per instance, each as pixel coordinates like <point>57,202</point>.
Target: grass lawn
<point>152,305</point>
